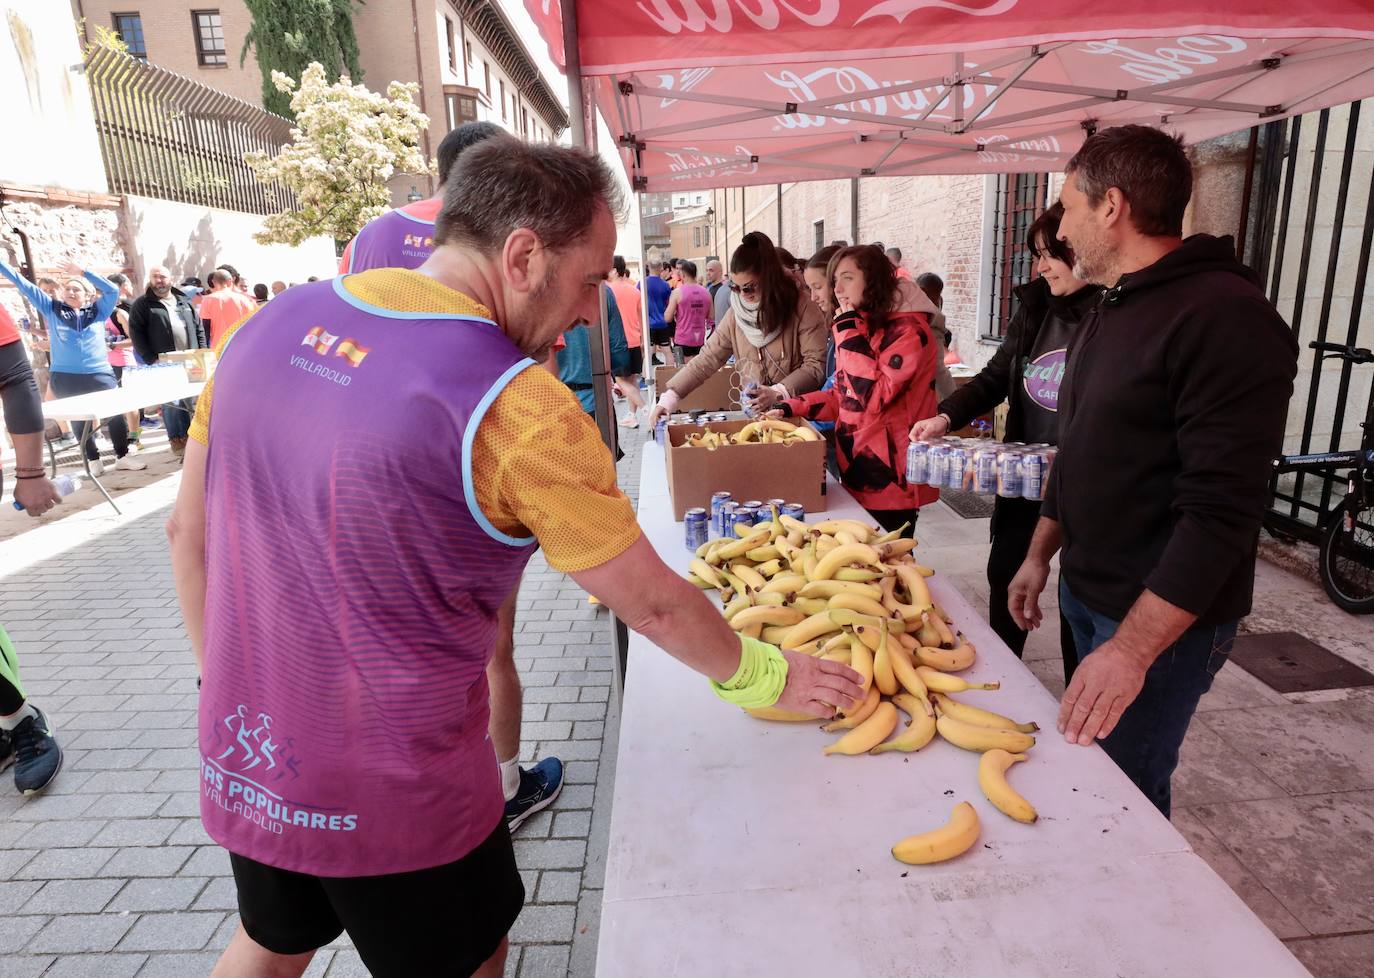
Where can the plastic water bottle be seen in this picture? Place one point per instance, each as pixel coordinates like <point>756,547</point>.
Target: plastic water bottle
<point>746,398</point>
<point>65,485</point>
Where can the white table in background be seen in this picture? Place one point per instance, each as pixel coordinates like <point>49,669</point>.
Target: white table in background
<point>737,849</point>
<point>98,406</point>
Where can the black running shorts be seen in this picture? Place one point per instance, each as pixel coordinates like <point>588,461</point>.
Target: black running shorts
<point>662,337</point>
<point>446,920</point>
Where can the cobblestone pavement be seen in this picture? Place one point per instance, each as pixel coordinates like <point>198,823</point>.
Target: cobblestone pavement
<point>109,873</point>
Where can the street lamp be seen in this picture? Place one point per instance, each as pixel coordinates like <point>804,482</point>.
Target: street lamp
<point>414,194</point>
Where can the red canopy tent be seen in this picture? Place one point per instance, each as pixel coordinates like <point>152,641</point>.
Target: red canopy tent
<point>705,93</point>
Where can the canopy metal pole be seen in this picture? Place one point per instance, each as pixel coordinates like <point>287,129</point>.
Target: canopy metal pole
<point>599,339</point>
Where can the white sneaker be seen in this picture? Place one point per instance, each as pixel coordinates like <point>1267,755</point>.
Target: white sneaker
<point>97,468</point>
<point>130,464</point>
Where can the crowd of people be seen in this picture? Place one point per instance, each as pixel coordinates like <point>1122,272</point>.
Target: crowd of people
<point>385,660</point>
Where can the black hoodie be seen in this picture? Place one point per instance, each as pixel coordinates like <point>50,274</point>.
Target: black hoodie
<point>1172,409</point>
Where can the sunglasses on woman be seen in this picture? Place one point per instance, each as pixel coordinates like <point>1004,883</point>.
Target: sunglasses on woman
<point>751,289</point>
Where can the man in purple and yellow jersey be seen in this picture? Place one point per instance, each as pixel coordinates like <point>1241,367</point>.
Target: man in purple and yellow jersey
<point>404,238</point>
<point>342,576</point>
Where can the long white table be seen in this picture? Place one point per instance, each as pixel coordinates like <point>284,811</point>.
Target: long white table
<point>97,406</point>
<point>737,849</point>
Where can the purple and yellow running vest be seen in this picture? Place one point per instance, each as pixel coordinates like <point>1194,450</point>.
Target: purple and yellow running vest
<point>353,587</point>
<point>691,316</point>
<point>403,238</point>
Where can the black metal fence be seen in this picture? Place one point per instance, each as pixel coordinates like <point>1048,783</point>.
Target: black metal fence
<point>168,137</point>
<point>1313,252</point>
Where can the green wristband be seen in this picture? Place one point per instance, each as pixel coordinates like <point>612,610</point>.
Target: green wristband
<point>760,678</point>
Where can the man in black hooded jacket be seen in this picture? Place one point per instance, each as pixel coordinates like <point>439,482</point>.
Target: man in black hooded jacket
<point>1172,409</point>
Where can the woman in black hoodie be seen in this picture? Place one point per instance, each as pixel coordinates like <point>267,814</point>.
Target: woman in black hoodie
<point>1026,371</point>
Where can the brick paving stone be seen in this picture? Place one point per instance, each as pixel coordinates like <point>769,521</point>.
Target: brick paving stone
<point>556,886</point>
<point>73,896</point>
<point>171,932</point>
<point>147,861</point>
<point>135,832</point>
<point>81,933</point>
<point>27,966</point>
<point>60,834</point>
<point>545,962</point>
<point>140,895</point>
<point>179,965</point>
<point>550,854</point>
<point>544,924</point>
<point>16,933</point>
<point>65,864</point>
<point>16,894</point>
<point>571,825</point>
<point>220,894</point>
<point>96,966</point>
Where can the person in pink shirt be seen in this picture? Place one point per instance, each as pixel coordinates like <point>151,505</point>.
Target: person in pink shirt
<point>225,305</point>
<point>627,300</point>
<point>689,310</point>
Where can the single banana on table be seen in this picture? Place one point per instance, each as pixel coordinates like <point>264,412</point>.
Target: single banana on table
<point>920,729</point>
<point>980,717</point>
<point>992,778</point>
<point>868,734</point>
<point>975,738</point>
<point>952,839</point>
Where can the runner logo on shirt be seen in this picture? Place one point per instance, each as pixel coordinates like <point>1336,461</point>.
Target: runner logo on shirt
<point>1042,377</point>
<point>244,761</point>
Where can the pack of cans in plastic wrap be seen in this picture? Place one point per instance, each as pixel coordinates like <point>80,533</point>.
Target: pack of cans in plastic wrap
<point>1013,470</point>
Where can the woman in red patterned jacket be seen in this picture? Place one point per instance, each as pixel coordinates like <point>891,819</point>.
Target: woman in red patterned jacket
<point>884,382</point>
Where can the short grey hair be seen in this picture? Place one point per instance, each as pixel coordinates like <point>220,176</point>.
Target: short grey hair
<point>502,184</point>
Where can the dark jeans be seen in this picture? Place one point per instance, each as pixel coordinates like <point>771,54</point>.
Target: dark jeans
<point>69,385</point>
<point>890,519</point>
<point>176,418</point>
<point>1145,743</point>
<point>1013,525</point>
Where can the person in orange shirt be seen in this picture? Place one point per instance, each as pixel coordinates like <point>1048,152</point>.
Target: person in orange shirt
<point>894,255</point>
<point>225,305</point>
<point>627,299</point>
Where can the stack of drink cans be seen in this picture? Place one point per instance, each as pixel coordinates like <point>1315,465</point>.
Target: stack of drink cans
<point>1013,470</point>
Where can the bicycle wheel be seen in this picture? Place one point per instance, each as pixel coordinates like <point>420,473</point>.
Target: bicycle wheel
<point>1347,560</point>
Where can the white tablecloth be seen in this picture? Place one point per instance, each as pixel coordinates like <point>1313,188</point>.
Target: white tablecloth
<point>738,849</point>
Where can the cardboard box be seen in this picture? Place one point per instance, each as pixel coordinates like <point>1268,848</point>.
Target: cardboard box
<point>793,472</point>
<point>200,364</point>
<point>712,395</point>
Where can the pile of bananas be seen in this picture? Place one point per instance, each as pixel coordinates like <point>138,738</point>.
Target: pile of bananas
<point>845,591</point>
<point>767,431</point>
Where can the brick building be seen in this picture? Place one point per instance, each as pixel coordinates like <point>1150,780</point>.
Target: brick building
<point>466,56</point>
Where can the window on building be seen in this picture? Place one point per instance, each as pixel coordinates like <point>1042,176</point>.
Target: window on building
<point>1020,199</point>
<point>696,235</point>
<point>504,107</point>
<point>209,33</point>
<point>699,199</point>
<point>460,105</point>
<point>486,79</point>
<point>129,27</point>
<point>452,45</point>
<point>467,46</point>
<point>819,231</point>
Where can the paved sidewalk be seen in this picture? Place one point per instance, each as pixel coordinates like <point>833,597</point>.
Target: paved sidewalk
<point>110,874</point>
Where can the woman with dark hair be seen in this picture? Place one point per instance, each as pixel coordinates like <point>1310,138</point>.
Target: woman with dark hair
<point>260,293</point>
<point>1026,372</point>
<point>775,333</point>
<point>884,374</point>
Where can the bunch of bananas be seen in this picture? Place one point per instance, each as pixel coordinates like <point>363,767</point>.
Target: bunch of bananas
<point>843,590</point>
<point>766,431</point>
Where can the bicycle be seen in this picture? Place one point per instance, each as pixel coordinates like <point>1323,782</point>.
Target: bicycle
<point>1346,554</point>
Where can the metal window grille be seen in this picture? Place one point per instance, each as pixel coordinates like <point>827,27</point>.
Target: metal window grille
<point>129,27</point>
<point>209,33</point>
<point>1021,197</point>
<point>166,136</point>
<point>819,236</point>
<point>1312,250</point>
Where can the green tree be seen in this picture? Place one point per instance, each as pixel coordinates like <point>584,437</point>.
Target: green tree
<point>288,35</point>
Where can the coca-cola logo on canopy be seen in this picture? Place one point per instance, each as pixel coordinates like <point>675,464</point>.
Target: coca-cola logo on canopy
<point>675,16</point>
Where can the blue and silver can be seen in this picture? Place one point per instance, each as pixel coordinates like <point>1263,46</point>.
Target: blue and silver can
<point>1009,475</point>
<point>718,501</point>
<point>753,503</point>
<point>795,510</point>
<point>661,430</point>
<point>937,464</point>
<point>697,525</point>
<point>725,525</point>
<point>746,513</point>
<point>917,463</point>
<point>985,471</point>
<point>957,464</point>
<point>777,504</point>
<point>1033,466</point>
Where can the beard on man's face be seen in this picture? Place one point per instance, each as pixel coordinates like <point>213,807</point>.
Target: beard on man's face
<point>531,331</point>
